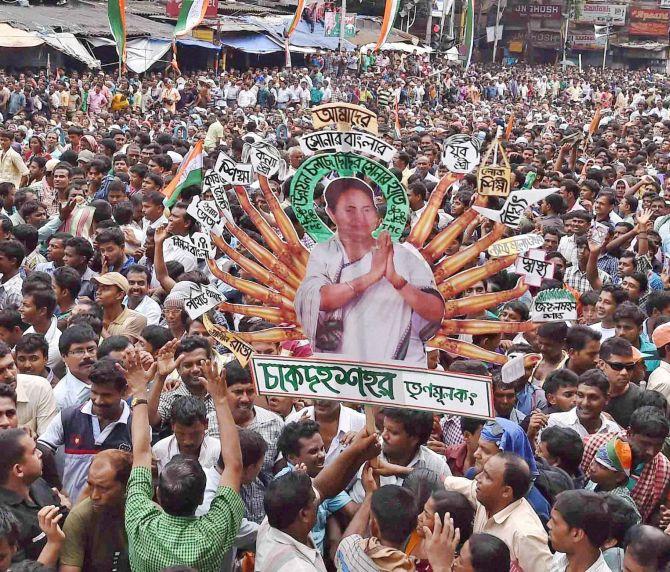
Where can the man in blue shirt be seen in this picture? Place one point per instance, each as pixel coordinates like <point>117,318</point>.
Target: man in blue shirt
<point>302,446</point>
<point>628,322</point>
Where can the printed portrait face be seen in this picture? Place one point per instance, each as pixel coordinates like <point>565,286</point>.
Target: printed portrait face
<point>350,205</point>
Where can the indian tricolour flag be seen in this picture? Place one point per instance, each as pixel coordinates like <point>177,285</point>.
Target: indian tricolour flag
<point>116,13</point>
<point>296,18</point>
<point>390,11</point>
<point>192,12</point>
<point>189,173</point>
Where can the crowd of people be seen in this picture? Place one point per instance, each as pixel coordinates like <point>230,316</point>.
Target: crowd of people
<point>131,439</point>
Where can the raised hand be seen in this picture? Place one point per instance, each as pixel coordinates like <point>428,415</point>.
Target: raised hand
<point>48,518</point>
<point>441,543</point>
<point>368,445</point>
<point>165,361</point>
<point>643,220</point>
<point>594,247</point>
<point>64,211</point>
<point>437,446</point>
<point>135,375</point>
<point>160,235</point>
<point>368,480</point>
<point>300,468</point>
<point>214,380</point>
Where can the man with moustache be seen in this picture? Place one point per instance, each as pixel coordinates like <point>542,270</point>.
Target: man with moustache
<point>646,434</point>
<point>497,493</point>
<point>301,444</point>
<point>79,346</point>
<point>187,356</point>
<point>99,424</point>
<point>334,421</point>
<point>241,398</point>
<point>137,299</point>
<point>95,538</point>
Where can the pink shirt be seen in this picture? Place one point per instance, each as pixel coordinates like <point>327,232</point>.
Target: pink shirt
<point>96,102</point>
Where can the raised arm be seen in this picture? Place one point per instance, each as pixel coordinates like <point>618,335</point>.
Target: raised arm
<point>336,476</point>
<point>359,523</point>
<point>592,266</point>
<point>137,381</point>
<point>48,518</point>
<point>643,226</point>
<point>229,435</point>
<point>165,365</point>
<point>162,275</point>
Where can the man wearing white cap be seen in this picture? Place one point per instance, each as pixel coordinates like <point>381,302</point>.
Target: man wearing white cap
<point>659,380</point>
<point>117,320</point>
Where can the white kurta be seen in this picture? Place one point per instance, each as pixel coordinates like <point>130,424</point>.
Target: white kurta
<point>378,325</point>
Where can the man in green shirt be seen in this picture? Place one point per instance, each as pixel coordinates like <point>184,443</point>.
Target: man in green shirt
<point>160,537</point>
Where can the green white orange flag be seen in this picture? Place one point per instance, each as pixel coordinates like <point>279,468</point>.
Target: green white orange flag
<point>116,13</point>
<point>390,11</point>
<point>296,18</point>
<point>189,173</point>
<point>192,12</point>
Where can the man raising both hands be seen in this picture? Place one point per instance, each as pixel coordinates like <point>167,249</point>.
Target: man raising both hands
<point>158,539</point>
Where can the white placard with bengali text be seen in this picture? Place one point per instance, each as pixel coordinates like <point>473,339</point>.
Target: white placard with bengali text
<point>374,384</point>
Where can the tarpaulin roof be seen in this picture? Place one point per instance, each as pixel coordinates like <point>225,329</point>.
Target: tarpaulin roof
<point>303,36</point>
<point>251,43</point>
<point>198,43</point>
<point>11,37</point>
<point>141,53</point>
<point>71,46</point>
<point>88,19</point>
<point>14,38</point>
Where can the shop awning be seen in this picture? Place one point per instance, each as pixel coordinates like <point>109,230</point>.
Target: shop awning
<point>71,46</point>
<point>198,43</point>
<point>65,42</point>
<point>15,38</point>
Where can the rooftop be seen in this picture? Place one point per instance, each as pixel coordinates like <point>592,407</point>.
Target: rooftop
<point>89,19</point>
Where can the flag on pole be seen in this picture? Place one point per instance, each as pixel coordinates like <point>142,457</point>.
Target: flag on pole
<point>595,122</point>
<point>287,51</point>
<point>116,13</point>
<point>189,173</point>
<point>396,123</point>
<point>173,64</point>
<point>390,11</point>
<point>296,18</point>
<point>510,126</point>
<point>192,12</point>
<point>469,36</point>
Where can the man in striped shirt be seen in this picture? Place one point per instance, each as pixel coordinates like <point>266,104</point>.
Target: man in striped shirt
<point>384,95</point>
